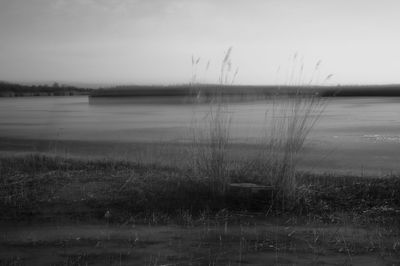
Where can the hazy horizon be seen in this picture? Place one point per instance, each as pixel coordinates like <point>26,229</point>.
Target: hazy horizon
<point>94,85</point>
<point>152,42</point>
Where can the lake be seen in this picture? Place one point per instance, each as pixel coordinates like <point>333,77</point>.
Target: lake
<point>353,135</point>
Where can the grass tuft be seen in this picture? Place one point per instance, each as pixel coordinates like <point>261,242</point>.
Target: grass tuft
<point>288,124</point>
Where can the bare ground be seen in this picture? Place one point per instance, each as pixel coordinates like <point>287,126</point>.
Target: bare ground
<point>205,242</point>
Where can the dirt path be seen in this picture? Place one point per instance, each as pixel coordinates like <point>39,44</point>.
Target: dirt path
<point>201,244</point>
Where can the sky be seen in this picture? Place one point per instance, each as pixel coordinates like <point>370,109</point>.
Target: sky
<point>153,41</point>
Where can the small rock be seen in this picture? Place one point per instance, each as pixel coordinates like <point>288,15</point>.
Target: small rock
<point>107,215</point>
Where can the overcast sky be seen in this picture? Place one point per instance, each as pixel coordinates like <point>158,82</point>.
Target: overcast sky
<point>152,41</point>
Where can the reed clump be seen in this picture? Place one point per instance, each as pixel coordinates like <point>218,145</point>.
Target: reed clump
<point>212,139</point>
<point>288,124</point>
<point>210,148</point>
<point>290,117</point>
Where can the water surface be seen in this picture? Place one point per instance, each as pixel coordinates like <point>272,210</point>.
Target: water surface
<point>353,134</point>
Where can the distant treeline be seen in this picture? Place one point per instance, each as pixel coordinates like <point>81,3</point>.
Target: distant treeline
<point>198,90</point>
<point>362,91</point>
<point>243,90</point>
<point>18,90</point>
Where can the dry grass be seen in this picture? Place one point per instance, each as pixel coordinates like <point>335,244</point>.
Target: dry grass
<point>211,137</point>
<point>289,120</point>
<point>209,149</point>
<point>287,126</point>
<point>288,123</point>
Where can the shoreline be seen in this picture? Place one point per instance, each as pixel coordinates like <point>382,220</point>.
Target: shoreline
<point>318,158</point>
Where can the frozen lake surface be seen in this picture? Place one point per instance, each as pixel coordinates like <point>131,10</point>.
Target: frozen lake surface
<point>353,133</point>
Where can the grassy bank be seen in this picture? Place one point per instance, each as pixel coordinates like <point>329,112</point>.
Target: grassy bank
<point>58,211</point>
<point>50,188</point>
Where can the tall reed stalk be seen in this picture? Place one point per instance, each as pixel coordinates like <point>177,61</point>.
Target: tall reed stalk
<point>210,148</point>
<point>211,140</point>
<point>289,121</point>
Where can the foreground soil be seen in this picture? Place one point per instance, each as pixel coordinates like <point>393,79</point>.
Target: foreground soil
<point>251,241</point>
